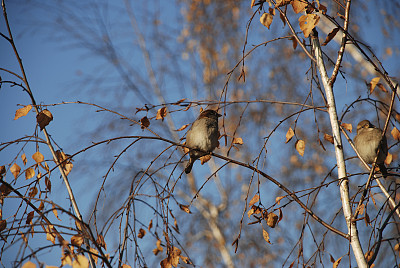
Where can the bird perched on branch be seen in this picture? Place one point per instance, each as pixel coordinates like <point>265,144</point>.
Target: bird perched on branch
<point>367,141</point>
<point>202,135</point>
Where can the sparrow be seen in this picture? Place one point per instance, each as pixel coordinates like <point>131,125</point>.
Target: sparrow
<point>202,135</point>
<point>367,141</point>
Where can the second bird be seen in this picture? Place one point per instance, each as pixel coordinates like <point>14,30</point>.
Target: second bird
<point>367,141</point>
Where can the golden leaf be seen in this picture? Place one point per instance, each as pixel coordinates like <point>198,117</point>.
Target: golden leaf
<point>161,113</point>
<point>29,173</point>
<point>205,158</point>
<point>29,264</point>
<point>389,159</point>
<point>175,254</point>
<point>347,127</point>
<point>250,212</point>
<point>55,212</point>
<point>272,219</point>
<point>280,3</point>
<point>307,23</point>
<point>15,169</point>
<point>252,3</point>
<point>336,263</point>
<point>278,199</point>
<point>300,147</point>
<point>38,157</point>
<point>185,208</point>
<point>44,118</point>
<point>159,248</point>
<point>182,127</point>
<point>144,122</point>
<point>77,240</point>
<point>141,233</point>
<point>395,133</point>
<point>80,262</point>
<point>266,236</point>
<point>237,141</point>
<point>328,137</point>
<point>373,83</point>
<point>298,6</point>
<point>289,135</point>
<point>266,19</point>
<point>49,235</point>
<point>254,200</point>
<point>22,111</point>
<point>24,160</point>
<point>126,266</point>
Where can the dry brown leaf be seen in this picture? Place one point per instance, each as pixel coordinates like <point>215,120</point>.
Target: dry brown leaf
<point>237,141</point>
<point>388,159</point>
<point>336,263</point>
<point>32,192</point>
<point>395,133</point>
<point>397,247</point>
<point>144,122</point>
<point>347,127</point>
<point>250,212</point>
<point>3,225</point>
<point>280,215</point>
<point>161,113</point>
<point>298,6</point>
<point>15,169</point>
<point>266,236</point>
<point>29,264</point>
<point>373,83</point>
<point>44,118</point>
<point>179,101</point>
<point>22,111</point>
<point>282,17</point>
<point>252,3</point>
<point>24,160</point>
<point>166,263</point>
<point>182,127</point>
<point>266,19</point>
<point>29,173</point>
<point>294,42</point>
<point>48,184</point>
<point>101,242</point>
<point>175,255</point>
<point>381,87</point>
<point>94,254</point>
<point>49,234</point>
<point>272,219</point>
<point>307,23</point>
<point>38,157</point>
<point>150,225</point>
<point>141,233</point>
<point>205,158</point>
<point>41,206</point>
<point>77,240</point>
<point>80,262</point>
<point>185,208</point>
<point>289,135</point>
<point>254,200</point>
<point>300,147</point>
<point>330,36</point>
<point>159,248</point>
<point>328,137</point>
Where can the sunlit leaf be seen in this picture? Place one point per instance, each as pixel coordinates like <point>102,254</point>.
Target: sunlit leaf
<point>395,133</point>
<point>329,138</point>
<point>347,127</point>
<point>77,240</point>
<point>15,169</point>
<point>185,208</point>
<point>22,111</point>
<point>336,263</point>
<point>252,3</point>
<point>29,173</point>
<point>159,248</point>
<point>80,262</point>
<point>161,113</point>
<point>254,200</point>
<point>38,157</point>
<point>298,6</point>
<point>94,254</point>
<point>278,199</point>
<point>29,264</point>
<point>266,236</point>
<point>300,147</point>
<point>266,19</point>
<point>237,141</point>
<point>280,3</point>
<point>373,83</point>
<point>55,212</point>
<point>330,36</point>
<point>272,219</point>
<point>289,135</point>
<point>49,234</point>
<point>24,160</point>
<point>307,23</point>
<point>388,159</point>
<point>205,158</point>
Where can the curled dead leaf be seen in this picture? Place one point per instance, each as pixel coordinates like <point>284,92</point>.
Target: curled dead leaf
<point>237,141</point>
<point>254,200</point>
<point>44,118</point>
<point>266,236</point>
<point>141,233</point>
<point>185,208</point>
<point>144,122</point>
<point>328,137</point>
<point>161,113</point>
<point>205,158</point>
<point>330,36</point>
<point>289,135</point>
